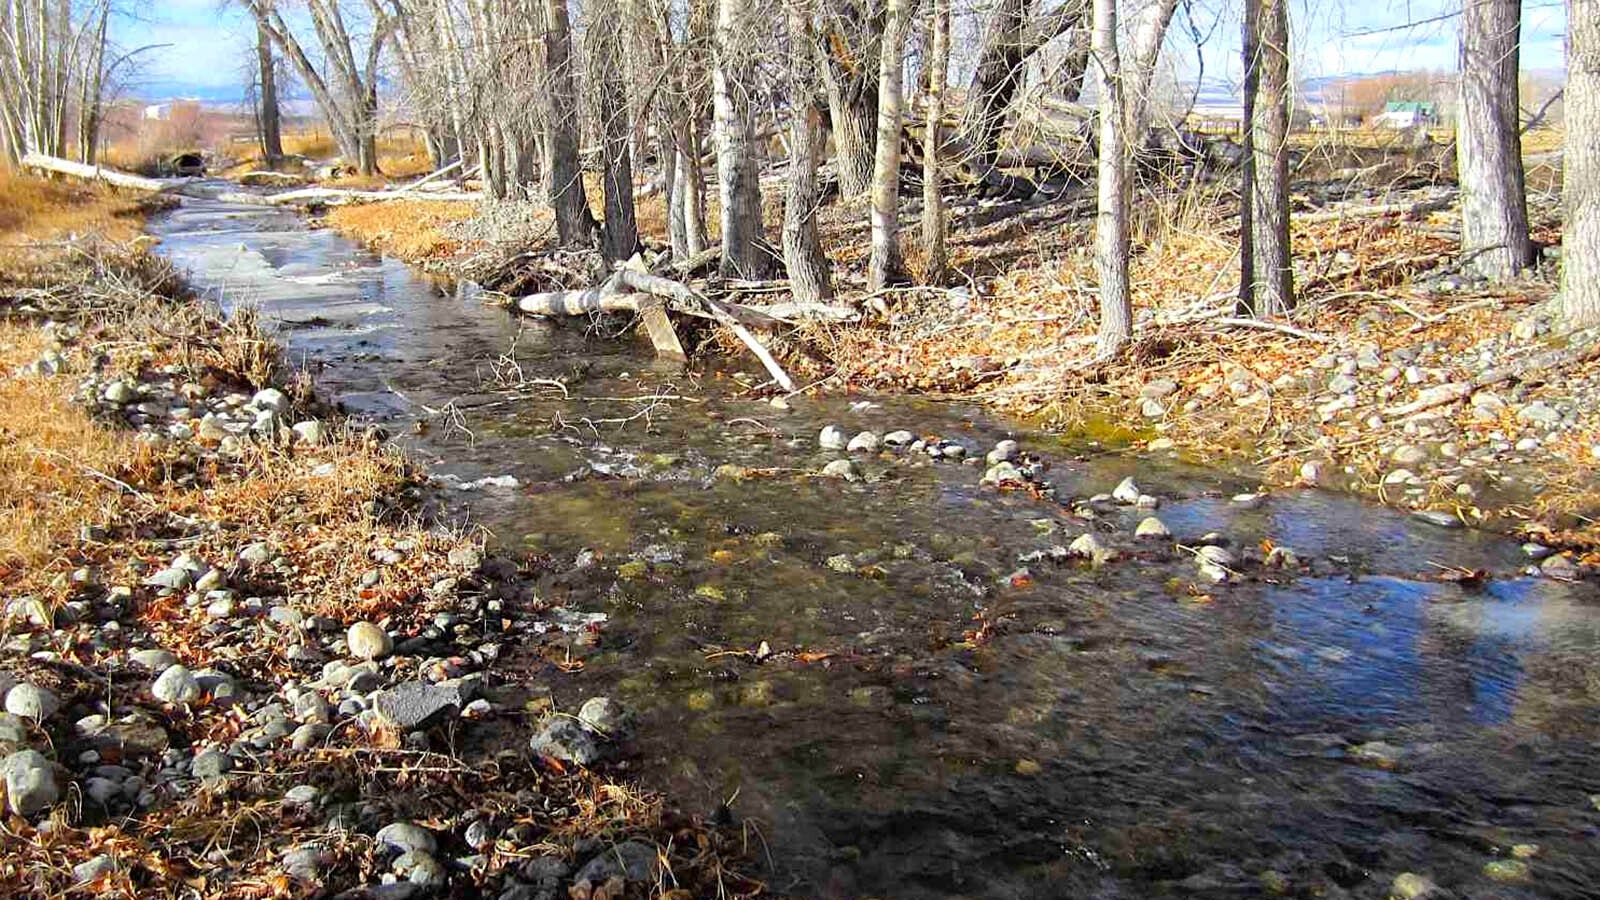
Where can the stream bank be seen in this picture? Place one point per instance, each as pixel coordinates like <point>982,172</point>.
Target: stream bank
<point>909,682</point>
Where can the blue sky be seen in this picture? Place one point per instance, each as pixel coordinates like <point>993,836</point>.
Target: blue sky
<point>209,39</point>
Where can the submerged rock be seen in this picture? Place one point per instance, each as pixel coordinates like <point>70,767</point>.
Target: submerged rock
<point>1152,527</point>
<point>842,468</point>
<point>1126,492</point>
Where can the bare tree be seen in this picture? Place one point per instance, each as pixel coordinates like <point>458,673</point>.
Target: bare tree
<point>848,56</point>
<point>52,64</point>
<point>1111,218</point>
<point>809,278</point>
<point>933,216</point>
<point>620,238</point>
<point>574,222</point>
<point>1266,278</point>
<point>1494,203</point>
<point>268,117</point>
<point>1580,242</point>
<point>739,189</point>
<point>886,264</point>
<point>348,96</point>
<point>1012,34</point>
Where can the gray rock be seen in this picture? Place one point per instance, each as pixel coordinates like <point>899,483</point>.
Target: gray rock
<point>1158,389</point>
<point>1249,501</point>
<point>865,442</point>
<point>270,400</point>
<point>91,869</point>
<point>13,733</point>
<point>630,861</point>
<point>417,704</point>
<point>154,660</point>
<point>211,764</point>
<point>310,432</point>
<point>120,392</point>
<point>420,868</point>
<point>1437,517</point>
<point>257,554</point>
<point>1538,413</point>
<point>102,790</point>
<point>173,579</point>
<point>607,717</point>
<point>1089,546</point>
<point>1152,527</point>
<point>832,437</point>
<point>306,862</point>
<point>1343,384</point>
<point>1536,551</point>
<point>1152,409</point>
<point>309,735</point>
<point>302,795</point>
<point>1218,556</point>
<point>953,451</point>
<point>176,684</point>
<point>210,580</point>
<point>1409,455</point>
<point>406,838</point>
<point>842,468</point>
<point>365,640</point>
<point>1558,566</point>
<point>563,739</point>
<point>1127,491</point>
<point>1003,474</point>
<point>30,782</point>
<point>30,701</point>
<point>899,438</point>
<point>1210,571</point>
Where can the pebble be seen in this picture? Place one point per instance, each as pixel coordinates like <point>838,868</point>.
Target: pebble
<point>406,838</point>
<point>842,468</point>
<point>420,869</point>
<point>30,701</point>
<point>365,640</point>
<point>30,782</point>
<point>832,437</point>
<point>865,442</point>
<point>1152,527</point>
<point>176,684</point>
<point>1409,455</point>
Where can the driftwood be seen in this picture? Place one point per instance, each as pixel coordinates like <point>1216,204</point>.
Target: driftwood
<point>99,173</point>
<point>1405,210</point>
<point>631,290</point>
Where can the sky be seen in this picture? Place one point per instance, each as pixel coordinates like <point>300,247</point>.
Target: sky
<point>205,42</point>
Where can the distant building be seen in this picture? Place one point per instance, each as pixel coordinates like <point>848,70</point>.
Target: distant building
<point>158,112</point>
<point>1400,114</point>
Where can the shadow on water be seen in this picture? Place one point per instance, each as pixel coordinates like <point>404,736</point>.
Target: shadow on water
<point>932,723</point>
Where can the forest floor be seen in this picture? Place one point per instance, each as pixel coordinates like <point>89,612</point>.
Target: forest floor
<point>200,562</point>
<point>1400,376</point>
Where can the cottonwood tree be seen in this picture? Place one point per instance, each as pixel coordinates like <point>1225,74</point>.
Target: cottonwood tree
<point>739,190</point>
<point>1012,34</point>
<point>1494,204</point>
<point>1111,216</point>
<point>269,119</point>
<point>348,94</point>
<point>933,215</point>
<point>1580,241</point>
<point>809,278</point>
<point>885,264</point>
<point>620,236</point>
<point>52,66</point>
<point>574,222</point>
<point>1266,270</point>
<point>848,55</point>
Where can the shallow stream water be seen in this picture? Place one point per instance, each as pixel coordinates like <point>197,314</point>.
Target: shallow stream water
<point>939,717</point>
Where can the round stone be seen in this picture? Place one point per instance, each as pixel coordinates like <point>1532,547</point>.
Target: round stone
<point>367,641</point>
<point>176,685</point>
<point>31,702</point>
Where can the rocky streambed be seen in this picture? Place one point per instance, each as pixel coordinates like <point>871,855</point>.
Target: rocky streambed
<point>908,648</point>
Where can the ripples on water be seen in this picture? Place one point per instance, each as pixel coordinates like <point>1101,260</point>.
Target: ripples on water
<point>1109,736</point>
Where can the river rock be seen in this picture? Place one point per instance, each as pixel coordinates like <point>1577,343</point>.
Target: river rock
<point>1343,384</point>
<point>1005,451</point>
<point>1216,555</point>
<point>154,659</point>
<point>30,782</point>
<point>176,684</point>
<point>404,837</point>
<point>120,392</point>
<point>899,438</point>
<point>420,869</point>
<point>1088,546</point>
<point>1311,472</point>
<point>270,400</point>
<point>630,861</point>
<point>310,432</point>
<point>1127,491</point>
<point>30,701</point>
<point>608,717</point>
<point>1559,567</point>
<point>306,862</point>
<point>1002,474</point>
<point>842,468</point>
<point>1152,527</point>
<point>832,437</point>
<point>1409,455</point>
<point>563,739</point>
<point>1249,501</point>
<point>365,640</point>
<point>865,442</point>
<point>1210,571</point>
<point>417,704</point>
<point>91,869</point>
<point>1437,517</point>
<point>210,764</point>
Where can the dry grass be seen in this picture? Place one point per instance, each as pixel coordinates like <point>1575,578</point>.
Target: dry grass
<point>413,230</point>
<point>38,209</point>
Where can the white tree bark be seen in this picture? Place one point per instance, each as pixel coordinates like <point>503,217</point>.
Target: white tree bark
<point>1580,242</point>
<point>809,278</point>
<point>1111,219</point>
<point>885,265</point>
<point>1494,203</point>
<point>738,185</point>
<point>933,215</point>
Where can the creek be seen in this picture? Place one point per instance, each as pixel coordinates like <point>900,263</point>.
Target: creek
<point>941,714</point>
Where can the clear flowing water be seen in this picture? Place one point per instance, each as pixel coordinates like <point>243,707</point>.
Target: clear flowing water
<point>933,722</point>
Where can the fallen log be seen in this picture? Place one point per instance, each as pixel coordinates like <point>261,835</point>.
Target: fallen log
<point>1405,210</point>
<point>98,173</point>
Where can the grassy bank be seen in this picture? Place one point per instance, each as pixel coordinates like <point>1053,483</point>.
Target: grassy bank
<point>238,660</point>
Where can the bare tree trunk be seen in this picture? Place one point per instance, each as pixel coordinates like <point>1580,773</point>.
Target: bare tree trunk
<point>737,183</point>
<point>1012,35</point>
<point>933,217</point>
<point>574,222</point>
<point>620,238</point>
<point>809,278</point>
<point>692,184</point>
<point>1269,284</point>
<point>1150,34</point>
<point>886,266</point>
<point>1111,220</point>
<point>1580,242</point>
<point>848,57</point>
<point>1494,203</point>
<point>271,121</point>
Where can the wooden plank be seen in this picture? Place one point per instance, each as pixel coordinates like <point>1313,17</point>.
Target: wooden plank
<point>659,328</point>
